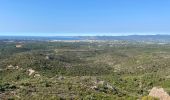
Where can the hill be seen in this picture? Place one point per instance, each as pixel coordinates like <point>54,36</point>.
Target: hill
<point>119,70</point>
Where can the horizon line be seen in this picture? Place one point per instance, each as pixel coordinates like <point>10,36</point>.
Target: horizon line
<point>80,35</point>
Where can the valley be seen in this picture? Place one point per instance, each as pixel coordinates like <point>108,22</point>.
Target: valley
<point>82,70</point>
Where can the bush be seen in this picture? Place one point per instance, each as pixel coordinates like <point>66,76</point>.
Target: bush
<point>149,98</point>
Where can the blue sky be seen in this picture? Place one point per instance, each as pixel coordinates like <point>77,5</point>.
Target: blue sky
<point>84,17</point>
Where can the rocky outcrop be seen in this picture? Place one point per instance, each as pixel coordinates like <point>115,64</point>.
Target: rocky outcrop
<point>159,93</point>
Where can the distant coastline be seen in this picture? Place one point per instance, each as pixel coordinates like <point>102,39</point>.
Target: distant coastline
<point>143,38</point>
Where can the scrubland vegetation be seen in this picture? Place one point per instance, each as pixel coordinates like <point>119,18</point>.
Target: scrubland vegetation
<point>106,70</point>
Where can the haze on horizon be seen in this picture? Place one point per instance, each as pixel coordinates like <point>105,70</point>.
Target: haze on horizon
<point>85,17</point>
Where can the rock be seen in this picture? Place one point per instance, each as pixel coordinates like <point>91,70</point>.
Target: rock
<point>47,57</point>
<point>37,75</point>
<point>31,71</point>
<point>18,46</point>
<point>93,87</point>
<point>60,78</point>
<point>10,66</point>
<point>159,93</point>
<point>101,82</point>
<point>16,67</point>
<point>109,86</point>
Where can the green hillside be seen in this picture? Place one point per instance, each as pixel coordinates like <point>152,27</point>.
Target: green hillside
<point>98,70</point>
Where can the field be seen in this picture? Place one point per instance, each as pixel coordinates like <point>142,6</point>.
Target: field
<point>82,70</point>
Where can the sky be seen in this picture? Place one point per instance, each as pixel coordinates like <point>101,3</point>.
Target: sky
<point>84,17</point>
